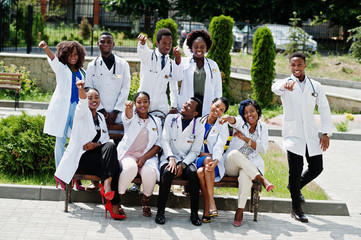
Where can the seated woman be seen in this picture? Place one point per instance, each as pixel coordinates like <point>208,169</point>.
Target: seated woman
<point>209,164</point>
<point>89,150</point>
<point>242,158</point>
<point>138,148</point>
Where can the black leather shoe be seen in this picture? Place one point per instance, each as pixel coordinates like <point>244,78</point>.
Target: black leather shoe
<point>299,215</point>
<point>302,199</point>
<point>160,218</point>
<point>196,221</point>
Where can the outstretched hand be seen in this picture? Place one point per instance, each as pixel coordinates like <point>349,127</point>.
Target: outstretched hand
<point>227,118</point>
<point>289,85</point>
<point>80,84</point>
<point>42,44</point>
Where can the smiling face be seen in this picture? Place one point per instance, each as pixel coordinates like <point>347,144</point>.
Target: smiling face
<point>93,99</point>
<point>199,48</point>
<point>250,114</point>
<point>297,66</point>
<point>142,104</point>
<point>72,58</point>
<point>165,44</point>
<point>105,44</point>
<point>188,109</point>
<point>217,108</point>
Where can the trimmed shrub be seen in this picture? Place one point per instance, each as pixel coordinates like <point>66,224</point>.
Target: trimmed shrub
<point>356,41</point>
<point>24,148</point>
<point>172,26</point>
<point>263,67</point>
<point>220,30</point>
<point>134,85</point>
<point>85,29</point>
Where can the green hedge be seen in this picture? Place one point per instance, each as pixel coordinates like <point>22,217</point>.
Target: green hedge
<point>220,30</point>
<point>263,67</point>
<point>24,148</point>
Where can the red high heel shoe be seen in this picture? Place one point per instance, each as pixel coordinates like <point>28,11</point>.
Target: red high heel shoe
<point>78,185</point>
<point>108,196</point>
<point>109,207</point>
<point>62,184</point>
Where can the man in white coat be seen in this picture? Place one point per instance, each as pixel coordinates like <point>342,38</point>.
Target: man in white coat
<point>157,69</point>
<point>182,142</point>
<point>300,95</point>
<point>110,75</point>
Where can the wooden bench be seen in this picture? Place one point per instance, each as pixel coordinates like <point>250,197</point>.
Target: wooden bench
<point>11,81</point>
<point>116,133</point>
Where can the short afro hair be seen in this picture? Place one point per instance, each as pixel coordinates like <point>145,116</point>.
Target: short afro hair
<point>199,106</point>
<point>193,35</point>
<point>66,48</point>
<point>298,54</point>
<point>163,32</point>
<point>106,34</point>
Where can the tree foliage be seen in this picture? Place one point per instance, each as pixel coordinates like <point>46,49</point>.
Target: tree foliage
<point>263,66</point>
<point>356,38</point>
<point>220,30</point>
<point>138,7</point>
<point>172,26</point>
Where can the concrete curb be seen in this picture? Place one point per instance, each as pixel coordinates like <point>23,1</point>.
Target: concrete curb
<point>274,205</point>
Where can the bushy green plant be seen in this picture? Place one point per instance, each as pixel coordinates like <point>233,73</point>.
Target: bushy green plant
<point>342,126</point>
<point>356,41</point>
<point>134,85</point>
<point>85,29</point>
<point>298,42</point>
<point>172,26</point>
<point>220,30</point>
<point>263,67</point>
<point>27,84</point>
<point>24,148</point>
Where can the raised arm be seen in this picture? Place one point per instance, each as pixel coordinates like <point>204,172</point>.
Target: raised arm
<point>45,46</point>
<point>80,84</point>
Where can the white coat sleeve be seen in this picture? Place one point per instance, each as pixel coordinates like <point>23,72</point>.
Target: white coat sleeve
<point>159,130</point>
<point>239,122</point>
<point>144,53</point>
<point>81,110</point>
<point>221,142</point>
<point>196,146</point>
<point>262,141</point>
<point>278,87</point>
<point>124,92</point>
<point>218,83</point>
<point>173,95</point>
<point>127,121</point>
<point>324,109</point>
<point>56,66</point>
<point>166,137</point>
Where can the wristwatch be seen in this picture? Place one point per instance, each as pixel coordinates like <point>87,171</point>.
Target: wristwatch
<point>183,165</point>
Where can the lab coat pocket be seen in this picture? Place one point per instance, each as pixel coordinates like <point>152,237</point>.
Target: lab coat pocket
<point>290,129</point>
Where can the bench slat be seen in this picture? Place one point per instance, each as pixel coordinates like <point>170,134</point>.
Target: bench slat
<point>11,74</point>
<point>11,87</point>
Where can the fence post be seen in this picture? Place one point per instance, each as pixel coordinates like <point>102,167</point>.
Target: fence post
<point>1,25</point>
<point>155,18</point>
<point>30,29</point>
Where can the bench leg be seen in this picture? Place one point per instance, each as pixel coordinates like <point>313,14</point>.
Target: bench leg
<point>255,193</point>
<point>67,197</point>
<point>17,96</point>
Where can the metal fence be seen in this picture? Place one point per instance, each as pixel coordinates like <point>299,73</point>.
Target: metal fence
<point>22,28</point>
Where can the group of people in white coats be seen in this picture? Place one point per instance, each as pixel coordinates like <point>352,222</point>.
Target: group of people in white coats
<point>191,142</point>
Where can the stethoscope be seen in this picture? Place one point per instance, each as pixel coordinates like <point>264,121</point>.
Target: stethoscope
<point>154,64</point>
<point>101,63</point>
<point>209,65</point>
<point>314,93</point>
<point>194,125</point>
<point>149,115</point>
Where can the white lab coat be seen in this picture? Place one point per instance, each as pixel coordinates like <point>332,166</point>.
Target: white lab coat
<point>131,130</point>
<point>183,145</point>
<point>154,79</point>
<point>216,140</point>
<point>83,132</point>
<point>58,109</point>
<point>262,141</point>
<point>212,86</point>
<point>113,88</point>
<point>299,126</point>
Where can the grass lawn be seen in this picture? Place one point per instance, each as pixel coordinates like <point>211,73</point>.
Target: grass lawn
<point>333,67</point>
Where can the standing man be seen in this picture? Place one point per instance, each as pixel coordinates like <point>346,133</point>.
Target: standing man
<point>157,69</point>
<point>110,75</point>
<point>300,95</point>
<point>182,142</point>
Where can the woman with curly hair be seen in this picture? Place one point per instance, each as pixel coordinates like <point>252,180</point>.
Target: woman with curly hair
<point>67,65</point>
<point>202,78</point>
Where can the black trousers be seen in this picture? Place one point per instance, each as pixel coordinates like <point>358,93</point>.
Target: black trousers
<point>166,178</point>
<point>297,179</point>
<point>102,162</point>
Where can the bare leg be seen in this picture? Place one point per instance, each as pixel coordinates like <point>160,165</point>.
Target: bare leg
<point>107,185</point>
<point>202,182</point>
<point>209,177</point>
<point>239,215</point>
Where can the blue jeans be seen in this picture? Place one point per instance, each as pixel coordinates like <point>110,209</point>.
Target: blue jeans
<point>60,141</point>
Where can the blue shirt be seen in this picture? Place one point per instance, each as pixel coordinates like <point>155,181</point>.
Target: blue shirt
<point>74,89</point>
